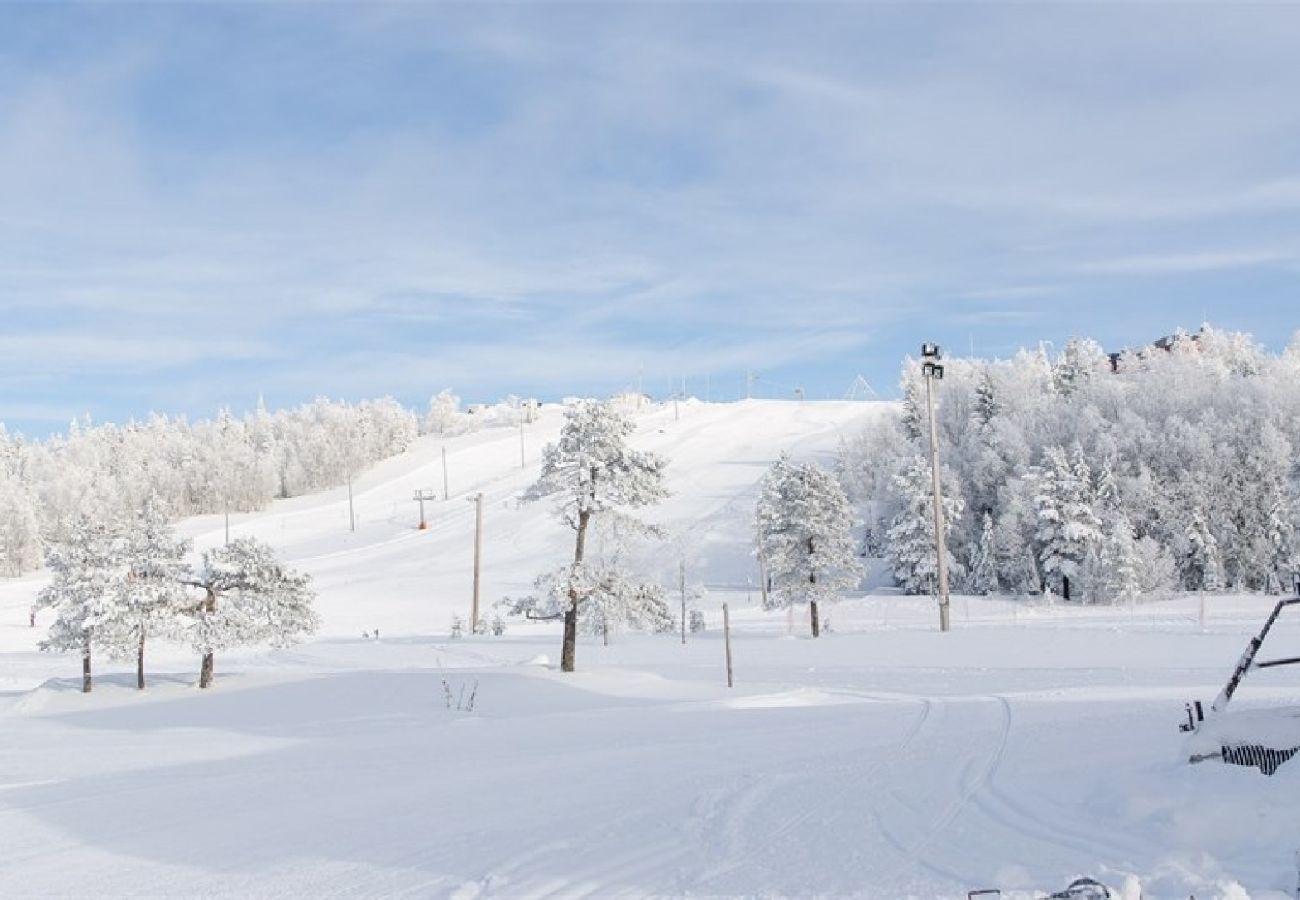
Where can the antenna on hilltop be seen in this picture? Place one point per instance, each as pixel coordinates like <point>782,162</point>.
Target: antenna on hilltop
<point>861,390</point>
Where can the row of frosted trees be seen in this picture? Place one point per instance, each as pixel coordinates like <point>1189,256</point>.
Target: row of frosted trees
<point>227,464</point>
<point>1171,468</point>
<point>120,584</point>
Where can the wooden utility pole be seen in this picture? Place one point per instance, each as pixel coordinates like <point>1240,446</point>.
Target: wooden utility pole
<point>477,500</point>
<point>762,580</point>
<point>420,497</point>
<point>523,462</point>
<point>726,639</point>
<point>445,494</point>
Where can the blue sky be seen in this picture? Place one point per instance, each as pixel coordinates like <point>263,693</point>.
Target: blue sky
<point>201,204</point>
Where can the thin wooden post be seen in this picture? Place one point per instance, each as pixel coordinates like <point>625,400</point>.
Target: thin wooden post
<point>445,493</point>
<point>478,555</point>
<point>352,515</point>
<point>726,639</point>
<point>681,584</point>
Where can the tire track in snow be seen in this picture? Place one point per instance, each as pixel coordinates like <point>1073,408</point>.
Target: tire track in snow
<point>738,823</point>
<point>976,775</point>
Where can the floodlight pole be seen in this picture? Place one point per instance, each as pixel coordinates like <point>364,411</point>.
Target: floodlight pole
<point>932,371</point>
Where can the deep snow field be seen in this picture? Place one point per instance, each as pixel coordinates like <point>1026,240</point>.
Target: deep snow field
<point>1029,746</point>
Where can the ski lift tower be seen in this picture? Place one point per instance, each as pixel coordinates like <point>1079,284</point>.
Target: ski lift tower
<point>861,390</point>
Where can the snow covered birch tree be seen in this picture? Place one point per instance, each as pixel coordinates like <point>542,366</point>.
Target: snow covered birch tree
<point>593,472</point>
<point>89,571</point>
<point>249,598</point>
<point>803,529</point>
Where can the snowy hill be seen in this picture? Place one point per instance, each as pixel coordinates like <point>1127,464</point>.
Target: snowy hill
<point>1030,745</point>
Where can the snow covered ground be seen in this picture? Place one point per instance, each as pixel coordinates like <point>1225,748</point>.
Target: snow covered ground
<point>1030,745</point>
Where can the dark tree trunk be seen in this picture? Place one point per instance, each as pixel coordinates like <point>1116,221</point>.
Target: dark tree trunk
<point>1065,587</point>
<point>812,604</point>
<point>569,650</point>
<point>139,663</point>
<point>208,666</point>
<point>86,682</point>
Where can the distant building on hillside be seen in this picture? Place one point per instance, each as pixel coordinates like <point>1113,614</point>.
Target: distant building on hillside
<point>1166,343</point>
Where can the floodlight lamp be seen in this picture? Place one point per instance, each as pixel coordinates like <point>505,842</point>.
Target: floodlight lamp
<point>930,351</point>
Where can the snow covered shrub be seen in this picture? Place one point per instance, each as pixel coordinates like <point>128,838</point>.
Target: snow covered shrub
<point>1156,573</point>
<point>697,622</point>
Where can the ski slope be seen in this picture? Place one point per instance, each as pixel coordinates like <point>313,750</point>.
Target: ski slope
<point>1030,745</point>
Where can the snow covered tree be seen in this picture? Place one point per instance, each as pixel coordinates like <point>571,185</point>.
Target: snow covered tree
<point>249,598</point>
<point>804,533</point>
<point>593,473</point>
<point>21,548</point>
<point>910,539</point>
<point>1203,555</point>
<point>444,415</point>
<point>89,569</point>
<point>1121,564</point>
<point>1081,359</point>
<point>153,595</point>
<point>612,602</point>
<point>1068,528</point>
<point>984,566</point>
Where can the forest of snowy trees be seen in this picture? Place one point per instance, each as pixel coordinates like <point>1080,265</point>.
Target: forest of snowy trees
<point>1169,468</point>
<point>233,464</point>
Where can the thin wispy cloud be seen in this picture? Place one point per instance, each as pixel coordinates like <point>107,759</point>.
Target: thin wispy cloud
<point>551,200</point>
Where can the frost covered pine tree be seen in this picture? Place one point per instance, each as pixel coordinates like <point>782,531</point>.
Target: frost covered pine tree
<point>249,598</point>
<point>89,569</point>
<point>910,539</point>
<point>1203,554</point>
<point>803,529</point>
<point>1121,564</point>
<point>153,595</point>
<point>984,567</point>
<point>593,473</point>
<point>1069,531</point>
